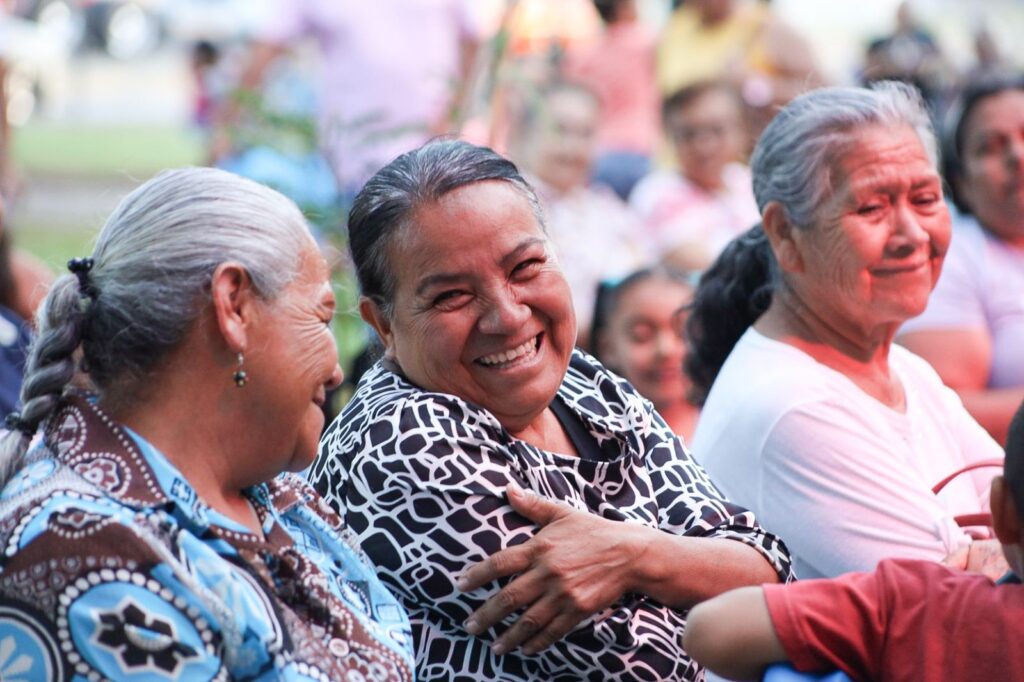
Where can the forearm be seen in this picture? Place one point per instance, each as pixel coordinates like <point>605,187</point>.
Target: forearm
<point>681,571</point>
<point>733,635</point>
<point>632,634</point>
<point>993,408</point>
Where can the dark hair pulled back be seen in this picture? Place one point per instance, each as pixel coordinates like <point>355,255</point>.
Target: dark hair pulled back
<point>385,205</point>
<point>731,295</point>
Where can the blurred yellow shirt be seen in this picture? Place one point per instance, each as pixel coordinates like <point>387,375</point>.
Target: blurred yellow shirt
<point>690,51</point>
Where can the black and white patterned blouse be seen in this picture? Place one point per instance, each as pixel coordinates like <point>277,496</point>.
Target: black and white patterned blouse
<point>420,477</point>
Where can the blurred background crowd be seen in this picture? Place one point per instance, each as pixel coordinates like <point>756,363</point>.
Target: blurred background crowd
<point>634,120</point>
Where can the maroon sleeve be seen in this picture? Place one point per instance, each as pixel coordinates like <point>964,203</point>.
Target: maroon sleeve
<point>827,625</point>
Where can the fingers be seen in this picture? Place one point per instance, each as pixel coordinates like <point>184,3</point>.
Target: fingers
<point>531,625</point>
<point>523,591</point>
<point>558,628</point>
<point>516,559</point>
<point>501,564</point>
<point>538,509</point>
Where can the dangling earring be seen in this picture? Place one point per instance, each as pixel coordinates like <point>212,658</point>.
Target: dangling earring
<point>240,377</point>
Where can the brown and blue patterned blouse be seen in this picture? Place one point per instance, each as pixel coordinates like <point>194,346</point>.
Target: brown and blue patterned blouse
<point>113,568</point>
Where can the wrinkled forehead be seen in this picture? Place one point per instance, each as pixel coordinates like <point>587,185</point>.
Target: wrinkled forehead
<point>871,153</point>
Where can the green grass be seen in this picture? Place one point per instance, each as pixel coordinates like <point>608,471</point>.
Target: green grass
<point>96,151</point>
<point>54,247</point>
<point>92,153</point>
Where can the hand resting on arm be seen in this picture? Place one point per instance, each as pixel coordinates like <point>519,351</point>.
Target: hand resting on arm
<point>580,563</point>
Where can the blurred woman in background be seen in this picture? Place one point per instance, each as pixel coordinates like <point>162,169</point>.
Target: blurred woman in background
<point>972,331</point>
<point>594,234</point>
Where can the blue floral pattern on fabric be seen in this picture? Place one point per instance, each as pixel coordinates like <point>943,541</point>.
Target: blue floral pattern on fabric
<point>112,567</point>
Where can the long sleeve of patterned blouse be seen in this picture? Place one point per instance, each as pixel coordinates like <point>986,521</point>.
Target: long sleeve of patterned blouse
<point>113,568</point>
<point>420,478</point>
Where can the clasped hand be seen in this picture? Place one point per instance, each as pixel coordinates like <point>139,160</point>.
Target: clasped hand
<point>577,564</point>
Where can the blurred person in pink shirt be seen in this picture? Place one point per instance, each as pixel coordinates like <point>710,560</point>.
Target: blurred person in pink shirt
<point>393,73</point>
<point>690,214</point>
<point>619,65</point>
<point>595,235</point>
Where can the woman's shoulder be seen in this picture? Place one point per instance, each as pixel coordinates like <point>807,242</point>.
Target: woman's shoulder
<point>913,369</point>
<point>46,485</point>
<point>48,509</point>
<point>608,404</point>
<point>389,415</point>
<point>593,388</point>
<point>758,362</point>
<point>383,393</point>
<point>761,381</point>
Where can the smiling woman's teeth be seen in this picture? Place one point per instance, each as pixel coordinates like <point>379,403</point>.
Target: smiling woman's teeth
<point>510,355</point>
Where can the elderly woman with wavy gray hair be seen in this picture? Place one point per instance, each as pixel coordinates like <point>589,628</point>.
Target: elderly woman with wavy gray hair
<point>834,436</point>
<point>176,373</point>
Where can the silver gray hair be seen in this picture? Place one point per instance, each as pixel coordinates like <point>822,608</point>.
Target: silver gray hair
<point>152,270</point>
<point>792,162</point>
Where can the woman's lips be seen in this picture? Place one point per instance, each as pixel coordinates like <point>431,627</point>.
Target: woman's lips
<point>890,270</point>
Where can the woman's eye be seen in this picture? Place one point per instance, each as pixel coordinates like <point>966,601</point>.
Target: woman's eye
<point>448,298</point>
<point>926,199</point>
<point>990,145</point>
<point>869,209</point>
<point>641,332</point>
<point>527,266</point>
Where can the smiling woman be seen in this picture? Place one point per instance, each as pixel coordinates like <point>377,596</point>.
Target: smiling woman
<point>479,389</point>
<point>816,421</point>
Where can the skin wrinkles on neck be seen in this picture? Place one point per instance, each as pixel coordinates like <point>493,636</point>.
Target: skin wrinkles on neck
<point>860,354</point>
<point>207,454</point>
<point>199,453</point>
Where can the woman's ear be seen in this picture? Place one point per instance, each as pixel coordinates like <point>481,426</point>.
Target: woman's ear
<point>781,235</point>
<point>375,317</point>
<point>234,304</point>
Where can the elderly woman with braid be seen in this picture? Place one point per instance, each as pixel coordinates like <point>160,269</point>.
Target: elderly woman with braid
<point>149,533</point>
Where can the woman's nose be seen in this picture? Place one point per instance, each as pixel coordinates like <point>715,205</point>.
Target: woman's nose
<point>337,376</point>
<point>668,344</point>
<point>505,314</point>
<point>908,228</point>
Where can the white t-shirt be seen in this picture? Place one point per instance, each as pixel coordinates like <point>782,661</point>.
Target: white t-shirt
<point>981,287</point>
<point>843,479</point>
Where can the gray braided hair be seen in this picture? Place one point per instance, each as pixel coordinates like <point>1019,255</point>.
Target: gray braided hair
<point>153,264</point>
